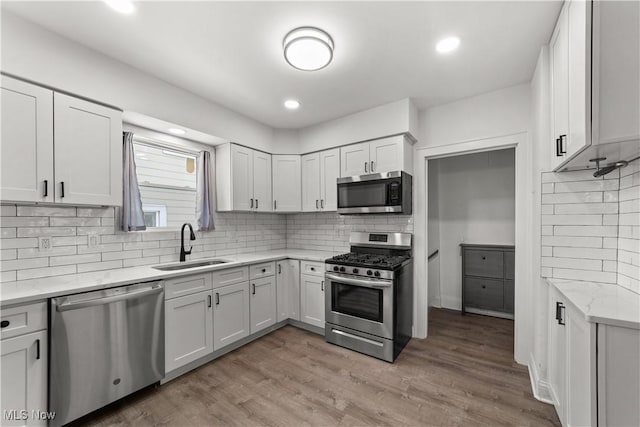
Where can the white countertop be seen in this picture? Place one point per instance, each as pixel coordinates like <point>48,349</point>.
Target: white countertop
<point>47,287</point>
<point>602,302</point>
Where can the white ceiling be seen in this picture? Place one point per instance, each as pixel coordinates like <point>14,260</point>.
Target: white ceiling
<point>231,52</point>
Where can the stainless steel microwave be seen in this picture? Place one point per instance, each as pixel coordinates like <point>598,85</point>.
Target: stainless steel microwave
<point>388,192</point>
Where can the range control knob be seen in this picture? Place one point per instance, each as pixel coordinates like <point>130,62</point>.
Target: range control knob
<point>355,271</point>
<point>377,274</point>
<point>369,272</point>
<point>336,268</point>
<point>342,269</point>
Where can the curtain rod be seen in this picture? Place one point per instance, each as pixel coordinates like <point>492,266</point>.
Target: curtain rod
<point>155,143</point>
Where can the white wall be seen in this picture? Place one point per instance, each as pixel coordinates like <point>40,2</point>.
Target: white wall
<point>498,113</point>
<point>476,204</point>
<point>32,52</point>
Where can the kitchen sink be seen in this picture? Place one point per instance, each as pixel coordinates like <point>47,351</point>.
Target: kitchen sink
<point>191,264</point>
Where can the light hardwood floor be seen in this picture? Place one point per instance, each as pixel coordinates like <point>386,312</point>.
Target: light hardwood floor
<point>463,374</point>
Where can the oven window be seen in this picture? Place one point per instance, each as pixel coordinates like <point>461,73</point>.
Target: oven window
<point>357,301</point>
<point>362,194</point>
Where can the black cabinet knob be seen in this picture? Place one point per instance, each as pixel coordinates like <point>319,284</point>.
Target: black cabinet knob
<point>4,323</point>
<point>484,286</point>
<point>264,270</point>
<point>335,268</point>
<point>369,272</point>
<point>355,271</point>
<point>484,257</point>
<point>341,269</point>
<point>377,274</point>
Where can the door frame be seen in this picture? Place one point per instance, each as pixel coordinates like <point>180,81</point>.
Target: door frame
<point>523,234</point>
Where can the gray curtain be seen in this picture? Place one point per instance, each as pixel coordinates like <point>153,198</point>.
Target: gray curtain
<point>204,195</point>
<point>132,214</point>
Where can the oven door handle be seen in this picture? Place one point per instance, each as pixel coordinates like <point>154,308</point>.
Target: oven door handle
<point>367,283</point>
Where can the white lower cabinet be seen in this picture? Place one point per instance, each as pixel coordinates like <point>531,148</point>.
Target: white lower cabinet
<point>594,374</point>
<point>24,378</point>
<point>188,329</point>
<point>262,303</point>
<point>230,314</point>
<point>288,289</point>
<point>312,300</point>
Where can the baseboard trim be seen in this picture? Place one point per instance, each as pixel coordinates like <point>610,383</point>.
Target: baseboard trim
<point>539,387</point>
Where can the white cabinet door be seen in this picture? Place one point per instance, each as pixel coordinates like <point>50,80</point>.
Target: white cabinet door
<point>557,357</point>
<point>329,174</point>
<point>188,329</point>
<point>579,76</point>
<point>88,152</point>
<point>26,152</point>
<point>230,314</point>
<point>24,376</point>
<point>581,403</point>
<point>354,159</point>
<point>241,178</point>
<point>387,154</point>
<point>560,86</point>
<point>312,300</point>
<point>287,183</point>
<point>263,303</point>
<point>288,289</point>
<point>262,181</point>
<point>310,182</point>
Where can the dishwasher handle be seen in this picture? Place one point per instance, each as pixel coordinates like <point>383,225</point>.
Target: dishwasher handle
<point>107,300</point>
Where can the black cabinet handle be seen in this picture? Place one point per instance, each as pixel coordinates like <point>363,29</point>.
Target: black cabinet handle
<point>562,150</point>
<point>365,167</point>
<point>37,349</point>
<point>251,203</point>
<point>4,323</point>
<point>62,189</point>
<point>46,188</point>
<point>275,205</point>
<point>256,203</point>
<point>322,203</point>
<point>558,151</point>
<point>209,299</point>
<point>217,298</point>
<point>371,165</point>
<point>264,270</point>
<point>253,292</point>
<point>322,286</point>
<point>316,203</point>
<point>279,268</point>
<point>559,309</point>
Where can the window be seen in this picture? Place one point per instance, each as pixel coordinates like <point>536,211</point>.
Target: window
<point>167,182</point>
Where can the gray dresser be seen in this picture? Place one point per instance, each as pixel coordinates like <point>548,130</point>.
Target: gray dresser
<point>487,279</point>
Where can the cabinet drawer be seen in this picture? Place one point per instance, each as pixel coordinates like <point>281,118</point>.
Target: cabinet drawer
<point>262,270</point>
<point>509,265</point>
<point>187,285</point>
<point>230,276</point>
<point>312,268</point>
<point>23,319</point>
<point>484,293</point>
<point>483,263</point>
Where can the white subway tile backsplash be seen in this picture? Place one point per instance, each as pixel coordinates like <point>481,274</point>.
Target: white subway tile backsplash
<point>7,254</point>
<point>7,210</point>
<point>18,243</point>
<point>585,253</point>
<point>572,263</point>
<point>572,219</point>
<point>54,251</point>
<point>594,230</point>
<point>587,197</point>
<point>587,208</point>
<point>97,266</point>
<point>585,275</point>
<point>7,233</point>
<point>46,231</point>
<point>46,211</point>
<point>20,264</point>
<point>25,221</point>
<point>35,273</point>
<point>73,259</point>
<point>572,241</point>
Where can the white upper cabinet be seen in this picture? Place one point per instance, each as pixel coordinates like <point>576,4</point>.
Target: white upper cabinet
<point>319,174</point>
<point>26,152</point>
<point>354,159</point>
<point>378,156</point>
<point>43,130</point>
<point>88,152</point>
<point>311,182</point>
<point>287,183</point>
<point>595,84</point>
<point>243,179</point>
<point>329,174</point>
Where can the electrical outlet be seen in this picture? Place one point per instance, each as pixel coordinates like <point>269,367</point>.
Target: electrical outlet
<point>93,240</point>
<point>44,244</point>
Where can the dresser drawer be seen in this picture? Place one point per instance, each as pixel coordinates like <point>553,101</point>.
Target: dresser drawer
<point>312,268</point>
<point>483,263</point>
<point>187,285</point>
<point>23,319</point>
<point>230,276</point>
<point>262,270</point>
<point>484,293</point>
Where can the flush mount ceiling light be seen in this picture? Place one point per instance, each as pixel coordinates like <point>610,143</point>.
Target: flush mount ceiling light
<point>177,131</point>
<point>308,48</point>
<point>448,44</point>
<point>291,104</point>
<point>125,7</point>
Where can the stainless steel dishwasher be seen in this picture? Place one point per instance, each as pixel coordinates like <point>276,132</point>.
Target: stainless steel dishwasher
<point>104,345</point>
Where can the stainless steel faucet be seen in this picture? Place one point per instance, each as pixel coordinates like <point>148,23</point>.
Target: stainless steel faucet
<point>192,236</point>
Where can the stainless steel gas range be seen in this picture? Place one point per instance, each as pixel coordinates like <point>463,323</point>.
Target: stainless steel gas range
<point>369,297</point>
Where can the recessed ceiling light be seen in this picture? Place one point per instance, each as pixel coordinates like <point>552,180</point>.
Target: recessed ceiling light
<point>308,48</point>
<point>123,6</point>
<point>291,104</point>
<point>448,44</point>
<point>177,131</point>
